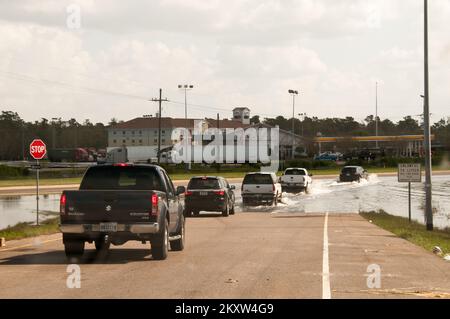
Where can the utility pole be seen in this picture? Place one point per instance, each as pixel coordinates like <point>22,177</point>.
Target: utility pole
<point>376,113</point>
<point>160,100</point>
<point>294,94</point>
<point>427,144</point>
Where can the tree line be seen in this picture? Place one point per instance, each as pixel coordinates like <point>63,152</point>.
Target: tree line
<point>17,134</point>
<point>311,127</point>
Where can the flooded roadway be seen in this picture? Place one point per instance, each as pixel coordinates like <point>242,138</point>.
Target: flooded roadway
<point>325,195</point>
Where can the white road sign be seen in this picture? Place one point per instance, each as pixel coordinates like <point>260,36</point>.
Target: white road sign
<point>409,173</point>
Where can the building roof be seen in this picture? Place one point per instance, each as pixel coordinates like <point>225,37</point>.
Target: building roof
<point>152,122</point>
<point>212,123</point>
<point>241,109</point>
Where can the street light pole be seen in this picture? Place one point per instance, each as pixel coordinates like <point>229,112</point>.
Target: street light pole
<point>427,144</point>
<point>376,113</point>
<point>303,116</point>
<point>185,87</point>
<point>294,94</point>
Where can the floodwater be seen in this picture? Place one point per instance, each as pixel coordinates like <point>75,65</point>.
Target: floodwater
<point>324,196</point>
<point>18,209</point>
<point>376,193</point>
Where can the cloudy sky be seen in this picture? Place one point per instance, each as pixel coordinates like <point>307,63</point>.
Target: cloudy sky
<point>235,53</point>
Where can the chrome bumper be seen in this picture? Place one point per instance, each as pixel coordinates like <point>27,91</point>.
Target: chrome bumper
<point>92,228</point>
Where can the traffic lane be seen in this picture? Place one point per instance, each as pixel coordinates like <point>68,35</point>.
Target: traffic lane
<point>249,255</point>
<point>407,271</point>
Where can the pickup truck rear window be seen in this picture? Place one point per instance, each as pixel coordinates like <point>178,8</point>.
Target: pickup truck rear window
<point>295,172</point>
<point>122,178</point>
<point>207,183</point>
<point>349,170</point>
<point>258,179</point>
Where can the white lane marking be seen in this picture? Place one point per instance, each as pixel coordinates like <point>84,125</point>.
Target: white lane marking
<point>29,245</point>
<point>326,287</point>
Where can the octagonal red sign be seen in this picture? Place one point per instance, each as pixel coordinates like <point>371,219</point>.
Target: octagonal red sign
<point>38,149</point>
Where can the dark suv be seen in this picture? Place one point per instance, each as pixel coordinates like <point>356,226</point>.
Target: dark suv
<point>211,194</point>
<point>353,174</point>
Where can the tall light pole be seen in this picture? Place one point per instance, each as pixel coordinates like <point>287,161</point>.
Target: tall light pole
<point>376,113</point>
<point>426,116</point>
<point>303,116</point>
<point>294,93</point>
<point>185,87</point>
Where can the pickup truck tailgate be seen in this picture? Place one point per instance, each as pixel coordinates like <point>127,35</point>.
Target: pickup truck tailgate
<point>257,189</point>
<point>108,206</point>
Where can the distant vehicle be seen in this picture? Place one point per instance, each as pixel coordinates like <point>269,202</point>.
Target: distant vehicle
<point>212,194</point>
<point>71,155</point>
<point>328,156</point>
<point>116,155</point>
<point>295,180</point>
<point>365,154</point>
<point>122,202</point>
<point>261,188</point>
<point>353,174</point>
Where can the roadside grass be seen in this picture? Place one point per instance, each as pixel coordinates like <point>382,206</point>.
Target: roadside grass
<point>31,181</point>
<point>26,230</point>
<point>413,232</point>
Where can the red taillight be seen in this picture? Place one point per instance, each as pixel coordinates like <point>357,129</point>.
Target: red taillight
<point>62,204</point>
<point>188,193</point>
<point>155,206</point>
<point>220,193</point>
<point>121,165</point>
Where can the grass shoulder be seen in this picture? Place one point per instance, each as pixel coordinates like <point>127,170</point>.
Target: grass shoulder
<point>26,230</point>
<point>413,232</point>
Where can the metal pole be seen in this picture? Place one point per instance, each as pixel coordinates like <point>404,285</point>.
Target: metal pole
<point>37,192</point>
<point>428,169</point>
<point>159,127</point>
<point>376,113</point>
<point>293,126</point>
<point>409,201</point>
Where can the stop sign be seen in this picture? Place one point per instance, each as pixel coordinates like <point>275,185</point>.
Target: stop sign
<point>38,149</point>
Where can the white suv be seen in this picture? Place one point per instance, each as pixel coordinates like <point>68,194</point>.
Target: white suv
<point>261,188</point>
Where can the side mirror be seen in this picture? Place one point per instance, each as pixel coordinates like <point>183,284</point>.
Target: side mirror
<point>279,179</point>
<point>233,187</point>
<point>181,190</point>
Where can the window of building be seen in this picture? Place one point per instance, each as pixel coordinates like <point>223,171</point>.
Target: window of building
<point>114,132</point>
<point>124,141</point>
<point>114,141</point>
<point>133,141</point>
<point>124,132</point>
<point>140,141</point>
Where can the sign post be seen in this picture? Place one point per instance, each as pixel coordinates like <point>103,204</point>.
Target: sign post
<point>409,173</point>
<point>38,149</point>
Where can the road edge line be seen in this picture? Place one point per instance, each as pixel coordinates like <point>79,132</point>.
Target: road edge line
<point>326,286</point>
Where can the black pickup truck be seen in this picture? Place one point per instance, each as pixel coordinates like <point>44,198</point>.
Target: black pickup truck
<point>123,202</point>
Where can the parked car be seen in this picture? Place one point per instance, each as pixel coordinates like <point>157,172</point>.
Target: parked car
<point>261,188</point>
<point>212,194</point>
<point>328,156</point>
<point>353,174</point>
<point>121,202</point>
<point>295,180</point>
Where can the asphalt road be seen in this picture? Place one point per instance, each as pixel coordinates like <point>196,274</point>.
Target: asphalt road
<point>249,255</point>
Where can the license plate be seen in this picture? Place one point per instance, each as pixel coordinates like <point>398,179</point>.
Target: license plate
<point>203,193</point>
<point>108,227</point>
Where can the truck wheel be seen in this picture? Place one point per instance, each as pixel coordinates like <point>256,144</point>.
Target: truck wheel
<point>188,213</point>
<point>178,245</point>
<point>226,211</point>
<point>275,200</point>
<point>196,213</point>
<point>101,245</point>
<point>232,210</point>
<point>160,245</point>
<point>74,249</point>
